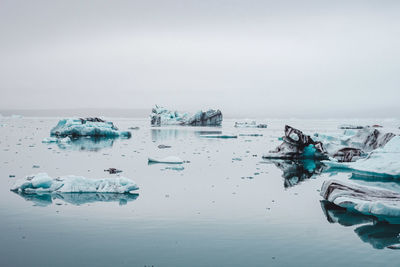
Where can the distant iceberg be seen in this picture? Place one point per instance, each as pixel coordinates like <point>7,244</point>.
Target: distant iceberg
<point>350,126</point>
<point>382,162</point>
<point>250,124</point>
<point>297,145</point>
<point>162,116</point>
<point>94,127</point>
<point>364,199</point>
<point>43,183</point>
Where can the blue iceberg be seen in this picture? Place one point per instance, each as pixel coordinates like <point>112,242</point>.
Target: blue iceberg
<point>94,127</point>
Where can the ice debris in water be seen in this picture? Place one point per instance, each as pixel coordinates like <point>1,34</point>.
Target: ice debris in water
<point>43,183</point>
<point>49,140</point>
<point>167,160</point>
<point>364,199</point>
<point>223,136</point>
<point>162,116</point>
<point>297,145</point>
<point>350,126</point>
<point>250,124</point>
<point>87,127</point>
<point>382,162</point>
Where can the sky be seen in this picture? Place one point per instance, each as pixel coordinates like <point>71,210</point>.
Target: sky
<point>275,58</point>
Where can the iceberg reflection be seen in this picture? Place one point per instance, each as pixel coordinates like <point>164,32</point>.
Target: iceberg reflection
<point>88,144</point>
<point>378,233</point>
<point>77,199</point>
<point>297,171</point>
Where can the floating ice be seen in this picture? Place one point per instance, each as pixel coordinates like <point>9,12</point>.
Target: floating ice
<point>87,127</point>
<point>167,160</point>
<point>297,145</point>
<point>364,199</point>
<point>350,126</point>
<point>383,162</point>
<point>250,124</point>
<point>218,136</point>
<point>43,183</point>
<point>161,116</point>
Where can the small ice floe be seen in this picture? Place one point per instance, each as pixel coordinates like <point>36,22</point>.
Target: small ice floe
<point>382,162</point>
<point>166,160</point>
<point>250,124</point>
<point>163,146</point>
<point>43,183</point>
<point>364,199</point>
<point>94,127</point>
<point>112,170</point>
<point>222,136</point>
<point>162,116</point>
<point>297,145</point>
<point>350,126</point>
<point>134,128</point>
<point>178,168</point>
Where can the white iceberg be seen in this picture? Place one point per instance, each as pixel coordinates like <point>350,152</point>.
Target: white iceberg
<point>382,162</point>
<point>364,199</point>
<point>43,183</point>
<point>167,160</point>
<point>162,116</point>
<point>87,127</point>
<point>250,124</point>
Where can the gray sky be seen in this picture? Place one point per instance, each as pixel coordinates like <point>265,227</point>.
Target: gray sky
<point>270,57</point>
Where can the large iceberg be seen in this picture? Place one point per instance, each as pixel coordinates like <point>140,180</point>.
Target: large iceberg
<point>367,200</point>
<point>297,145</point>
<point>162,116</point>
<point>382,162</point>
<point>94,127</point>
<point>43,183</point>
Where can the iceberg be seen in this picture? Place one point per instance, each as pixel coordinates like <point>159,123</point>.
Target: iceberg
<point>94,127</point>
<point>43,183</point>
<point>297,145</point>
<point>367,200</point>
<point>167,160</point>
<point>250,124</point>
<point>382,162</point>
<point>162,116</point>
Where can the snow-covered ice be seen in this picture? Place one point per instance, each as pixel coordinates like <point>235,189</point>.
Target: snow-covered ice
<point>43,183</point>
<point>383,162</point>
<point>364,199</point>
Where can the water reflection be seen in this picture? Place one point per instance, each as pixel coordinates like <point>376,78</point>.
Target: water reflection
<point>378,233</point>
<point>297,171</point>
<point>77,199</point>
<point>87,144</point>
<point>162,134</point>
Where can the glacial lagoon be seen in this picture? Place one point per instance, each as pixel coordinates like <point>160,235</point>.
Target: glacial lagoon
<point>224,206</point>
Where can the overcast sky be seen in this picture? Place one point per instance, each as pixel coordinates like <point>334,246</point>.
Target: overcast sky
<point>268,57</point>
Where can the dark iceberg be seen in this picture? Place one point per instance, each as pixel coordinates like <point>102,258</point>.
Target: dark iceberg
<point>297,145</point>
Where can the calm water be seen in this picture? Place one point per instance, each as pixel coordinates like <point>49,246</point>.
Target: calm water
<point>227,207</point>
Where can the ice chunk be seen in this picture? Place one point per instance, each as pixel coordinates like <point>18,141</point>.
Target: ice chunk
<point>348,154</point>
<point>297,145</point>
<point>43,183</point>
<point>223,136</point>
<point>383,162</point>
<point>350,126</point>
<point>364,199</point>
<point>167,160</point>
<point>87,127</point>
<point>49,140</point>
<point>161,116</point>
<point>369,139</point>
<point>250,124</point>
